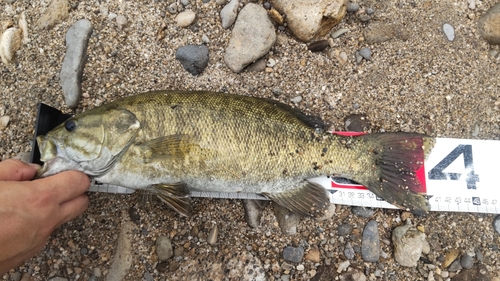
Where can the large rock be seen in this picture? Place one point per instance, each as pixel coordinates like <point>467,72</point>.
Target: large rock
<point>252,37</point>
<point>489,25</point>
<point>77,39</point>
<point>308,20</point>
<point>408,244</point>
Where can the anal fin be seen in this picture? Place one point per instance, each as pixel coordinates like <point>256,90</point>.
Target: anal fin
<point>176,196</point>
<point>310,199</point>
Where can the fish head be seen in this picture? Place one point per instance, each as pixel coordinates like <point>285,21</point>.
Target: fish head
<point>90,142</point>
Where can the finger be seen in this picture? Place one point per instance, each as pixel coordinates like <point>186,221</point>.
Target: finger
<point>73,208</point>
<point>65,186</point>
<point>16,170</point>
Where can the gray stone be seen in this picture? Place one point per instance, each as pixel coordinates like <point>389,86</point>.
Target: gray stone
<point>258,66</point>
<point>455,266</point>
<point>370,244</point>
<point>122,259</point>
<point>293,254</point>
<point>253,211</point>
<point>359,58</point>
<point>449,31</point>
<point>349,251</point>
<point>252,37</point>
<point>194,58</point>
<point>287,220</point>
<point>148,277</point>
<point>408,244</point>
<point>337,33</point>
<point>344,229</point>
<point>369,11</point>
<point>352,7</point>
<point>363,211</point>
<point>466,261</point>
<point>213,235</point>
<point>489,25</point>
<point>496,224</point>
<point>164,248</point>
<point>366,53</point>
<point>228,14</point>
<point>296,99</point>
<point>308,20</point>
<point>77,39</point>
<point>479,256</point>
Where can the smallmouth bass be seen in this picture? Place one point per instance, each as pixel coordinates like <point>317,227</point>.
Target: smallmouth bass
<point>172,142</point>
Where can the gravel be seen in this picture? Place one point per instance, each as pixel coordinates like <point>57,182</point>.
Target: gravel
<point>424,65</point>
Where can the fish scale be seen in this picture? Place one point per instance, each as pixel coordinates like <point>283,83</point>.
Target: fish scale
<point>175,142</point>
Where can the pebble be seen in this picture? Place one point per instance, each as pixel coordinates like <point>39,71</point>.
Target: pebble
<point>450,256</point>
<point>122,259</point>
<point>253,211</point>
<point>148,277</point>
<point>23,24</point>
<point>121,21</point>
<point>370,244</point>
<point>293,254</point>
<point>318,46</point>
<point>349,251</point>
<point>366,53</point>
<point>408,244</point>
<point>244,266</point>
<point>337,33</point>
<point>478,273</point>
<point>276,17</point>
<point>343,56</point>
<point>487,25</point>
<point>449,31</point>
<point>369,11</point>
<point>77,39</point>
<point>220,2</point>
<point>496,224</point>
<point>313,255</point>
<point>352,7</point>
<point>185,2</point>
<point>164,248</point>
<point>328,213</point>
<point>479,256</point>
<point>344,229</point>
<point>271,62</point>
<point>257,66</point>
<point>466,261</point>
<point>359,58</point>
<point>287,220</point>
<point>343,266</point>
<point>194,58</point>
<point>205,39</point>
<point>4,122</point>
<point>212,236</point>
<point>185,18</point>
<point>472,4</point>
<point>308,20</point>
<point>228,14</point>
<point>57,11</point>
<point>10,42</point>
<point>252,37</point>
<point>58,279</point>
<point>296,99</point>
<point>363,212</point>
<point>455,266</point>
<point>172,8</point>
<point>299,267</point>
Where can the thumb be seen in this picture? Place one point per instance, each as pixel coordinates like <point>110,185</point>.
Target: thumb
<point>16,170</point>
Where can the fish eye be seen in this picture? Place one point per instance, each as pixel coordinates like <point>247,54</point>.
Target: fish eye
<point>70,125</point>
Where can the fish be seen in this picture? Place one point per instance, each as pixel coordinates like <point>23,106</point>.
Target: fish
<point>174,142</point>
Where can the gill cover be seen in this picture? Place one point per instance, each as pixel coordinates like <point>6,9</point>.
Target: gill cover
<point>90,142</point>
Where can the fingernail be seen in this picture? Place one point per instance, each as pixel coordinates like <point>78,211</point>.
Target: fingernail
<point>34,165</point>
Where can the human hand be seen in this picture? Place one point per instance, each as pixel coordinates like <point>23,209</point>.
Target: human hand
<point>31,210</point>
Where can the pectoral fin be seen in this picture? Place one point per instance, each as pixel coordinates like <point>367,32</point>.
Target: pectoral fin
<point>310,199</point>
<point>176,196</point>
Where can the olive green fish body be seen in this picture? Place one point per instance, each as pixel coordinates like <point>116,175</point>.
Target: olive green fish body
<point>174,142</point>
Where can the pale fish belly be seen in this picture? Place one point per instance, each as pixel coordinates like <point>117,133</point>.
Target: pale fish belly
<point>135,180</point>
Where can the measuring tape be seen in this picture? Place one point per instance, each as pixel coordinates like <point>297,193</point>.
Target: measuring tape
<point>460,176</point>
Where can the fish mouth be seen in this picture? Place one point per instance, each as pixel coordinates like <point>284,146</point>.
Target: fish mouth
<point>48,155</point>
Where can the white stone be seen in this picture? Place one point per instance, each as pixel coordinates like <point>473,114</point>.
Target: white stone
<point>4,122</point>
<point>185,18</point>
<point>228,14</point>
<point>10,43</point>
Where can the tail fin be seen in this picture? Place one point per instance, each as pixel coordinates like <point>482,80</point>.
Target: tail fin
<point>398,156</point>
